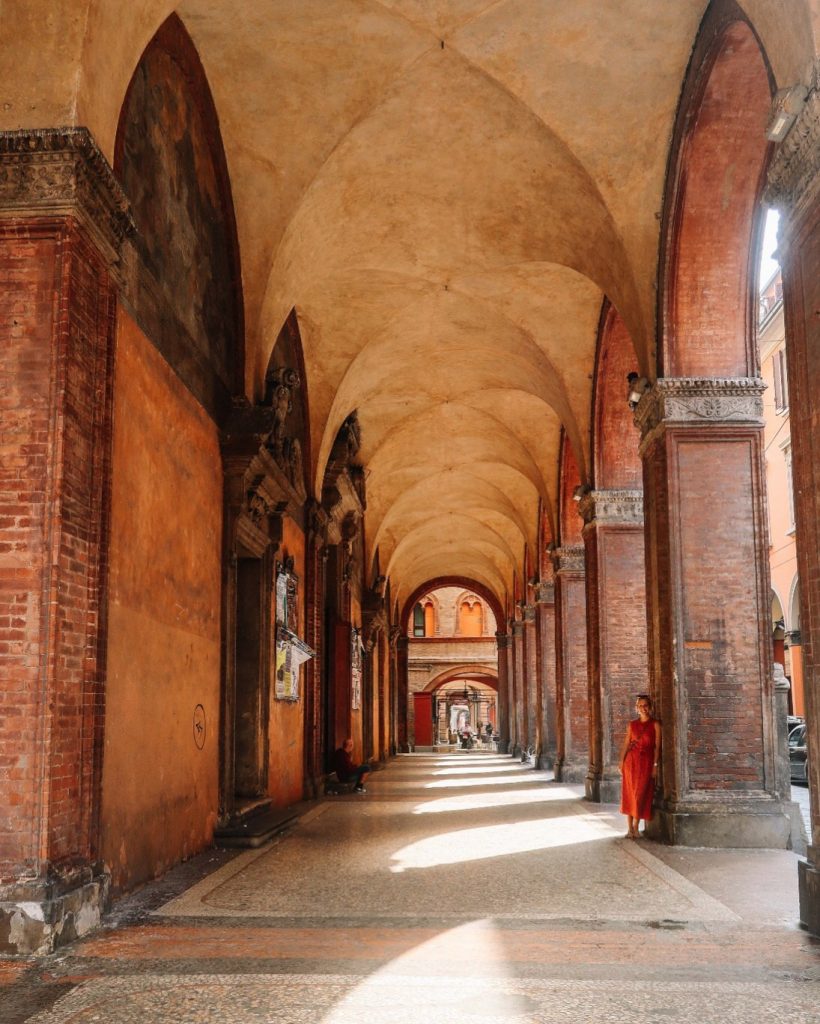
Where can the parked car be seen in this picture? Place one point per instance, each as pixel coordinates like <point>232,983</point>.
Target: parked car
<point>797,754</point>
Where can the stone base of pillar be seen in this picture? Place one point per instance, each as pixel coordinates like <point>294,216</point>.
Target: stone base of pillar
<point>38,916</point>
<point>603,789</point>
<point>571,771</point>
<point>502,746</point>
<point>808,880</point>
<point>546,762</point>
<point>725,824</point>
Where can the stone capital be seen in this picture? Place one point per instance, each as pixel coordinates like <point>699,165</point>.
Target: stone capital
<point>503,640</point>
<point>569,559</point>
<point>793,179</point>
<point>545,592</point>
<point>58,172</point>
<point>529,612</point>
<point>697,402</point>
<point>599,508</point>
<point>517,628</point>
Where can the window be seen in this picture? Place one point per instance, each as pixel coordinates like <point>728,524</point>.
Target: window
<point>781,381</point>
<point>418,621</point>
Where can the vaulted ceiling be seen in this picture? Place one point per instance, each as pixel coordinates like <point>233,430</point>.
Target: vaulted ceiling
<point>445,191</point>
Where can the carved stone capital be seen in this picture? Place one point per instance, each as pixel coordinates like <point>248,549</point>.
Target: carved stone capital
<point>503,640</point>
<point>598,508</point>
<point>62,172</point>
<point>793,179</point>
<point>517,628</point>
<point>529,612</point>
<point>699,401</point>
<point>545,592</point>
<point>569,559</point>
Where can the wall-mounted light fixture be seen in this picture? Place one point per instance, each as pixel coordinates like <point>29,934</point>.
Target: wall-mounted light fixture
<point>786,106</point>
<point>579,492</point>
<point>635,389</point>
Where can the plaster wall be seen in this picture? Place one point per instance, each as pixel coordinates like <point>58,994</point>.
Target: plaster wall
<point>164,620</point>
<point>287,718</point>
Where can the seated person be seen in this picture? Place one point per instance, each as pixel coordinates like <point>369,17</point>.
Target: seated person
<point>347,770</point>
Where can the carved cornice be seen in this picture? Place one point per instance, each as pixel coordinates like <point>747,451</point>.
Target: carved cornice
<point>545,592</point>
<point>598,508</point>
<point>699,401</point>
<point>62,172</point>
<point>569,559</point>
<point>793,179</point>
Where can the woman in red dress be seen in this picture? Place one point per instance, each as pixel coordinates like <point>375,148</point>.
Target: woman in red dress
<point>640,754</point>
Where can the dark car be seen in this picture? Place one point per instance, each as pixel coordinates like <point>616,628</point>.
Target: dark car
<point>797,754</point>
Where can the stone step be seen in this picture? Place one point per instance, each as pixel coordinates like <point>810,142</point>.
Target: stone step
<point>252,830</point>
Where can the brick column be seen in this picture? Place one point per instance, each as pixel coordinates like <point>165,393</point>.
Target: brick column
<point>315,560</point>
<point>794,187</point>
<point>402,691</point>
<point>395,707</point>
<point>532,682</point>
<point>519,689</point>
<point>572,698</point>
<point>708,601</point>
<point>545,641</point>
<point>616,629</point>
<point>503,724</point>
<point>62,221</point>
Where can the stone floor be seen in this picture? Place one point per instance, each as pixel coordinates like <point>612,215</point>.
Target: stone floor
<point>460,888</point>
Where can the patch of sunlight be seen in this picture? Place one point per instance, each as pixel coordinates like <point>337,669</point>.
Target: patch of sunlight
<point>501,841</point>
<point>475,759</point>
<point>523,779</point>
<point>478,801</point>
<point>414,981</point>
<point>474,769</point>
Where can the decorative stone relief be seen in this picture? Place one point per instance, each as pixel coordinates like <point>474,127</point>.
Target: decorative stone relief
<point>529,612</point>
<point>283,445</point>
<point>598,507</point>
<point>794,172</point>
<point>569,559</point>
<point>61,171</point>
<point>695,401</point>
<point>504,640</point>
<point>545,592</point>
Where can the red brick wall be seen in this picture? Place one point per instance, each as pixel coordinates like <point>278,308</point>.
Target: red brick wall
<point>571,523</point>
<point>56,315</point>
<point>709,306</point>
<point>617,463</point>
<point>573,695</point>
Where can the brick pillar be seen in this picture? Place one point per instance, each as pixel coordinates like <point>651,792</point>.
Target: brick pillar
<point>572,747</point>
<point>708,602</point>
<point>62,222</point>
<point>532,682</point>
<point>395,706</point>
<point>616,629</point>
<point>503,723</point>
<point>545,641</point>
<point>316,557</point>
<point>794,187</point>
<point>519,709</point>
<point>402,691</point>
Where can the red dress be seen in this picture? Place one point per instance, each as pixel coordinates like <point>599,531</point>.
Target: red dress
<point>638,786</point>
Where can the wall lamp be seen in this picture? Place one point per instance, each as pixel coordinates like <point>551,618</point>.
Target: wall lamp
<point>636,388</point>
<point>580,491</point>
<point>786,106</point>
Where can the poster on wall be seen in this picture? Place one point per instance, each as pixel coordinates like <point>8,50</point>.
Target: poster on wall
<point>355,669</point>
<point>290,652</point>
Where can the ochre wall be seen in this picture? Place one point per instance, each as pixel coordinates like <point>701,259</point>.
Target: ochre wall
<point>287,719</point>
<point>164,619</point>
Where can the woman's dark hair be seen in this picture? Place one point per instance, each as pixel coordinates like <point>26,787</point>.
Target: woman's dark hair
<point>644,696</point>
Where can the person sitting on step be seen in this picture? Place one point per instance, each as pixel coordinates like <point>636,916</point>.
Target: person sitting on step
<point>347,770</point>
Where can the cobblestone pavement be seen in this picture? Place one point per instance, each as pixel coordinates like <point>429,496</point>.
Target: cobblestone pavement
<point>461,888</point>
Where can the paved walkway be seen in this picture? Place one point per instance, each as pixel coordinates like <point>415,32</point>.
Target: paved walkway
<point>461,888</point>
